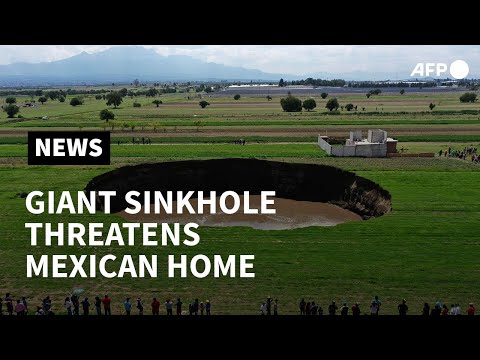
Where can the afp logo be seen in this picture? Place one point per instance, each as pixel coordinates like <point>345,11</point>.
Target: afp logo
<point>68,148</point>
<point>458,69</point>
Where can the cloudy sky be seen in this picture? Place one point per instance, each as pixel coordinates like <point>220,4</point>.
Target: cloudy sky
<point>288,59</point>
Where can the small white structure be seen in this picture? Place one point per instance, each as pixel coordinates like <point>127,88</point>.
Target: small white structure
<point>377,144</point>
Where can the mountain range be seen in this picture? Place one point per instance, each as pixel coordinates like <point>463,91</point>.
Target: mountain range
<point>124,64</point>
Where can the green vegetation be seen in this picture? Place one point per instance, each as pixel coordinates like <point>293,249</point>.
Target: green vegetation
<point>114,98</point>
<point>468,97</point>
<point>332,104</point>
<point>309,104</point>
<point>203,104</point>
<point>425,250</point>
<point>76,102</point>
<point>291,104</point>
<point>11,110</point>
<point>107,115</point>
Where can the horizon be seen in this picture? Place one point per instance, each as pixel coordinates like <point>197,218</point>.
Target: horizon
<point>395,62</point>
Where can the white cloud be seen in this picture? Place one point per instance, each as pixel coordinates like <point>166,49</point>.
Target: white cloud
<point>278,58</point>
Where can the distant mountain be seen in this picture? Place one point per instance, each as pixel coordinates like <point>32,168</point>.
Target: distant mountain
<point>123,65</point>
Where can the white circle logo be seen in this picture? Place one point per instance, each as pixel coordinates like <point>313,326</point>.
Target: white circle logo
<point>459,69</point>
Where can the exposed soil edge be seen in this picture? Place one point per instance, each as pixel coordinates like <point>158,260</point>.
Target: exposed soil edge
<point>303,182</point>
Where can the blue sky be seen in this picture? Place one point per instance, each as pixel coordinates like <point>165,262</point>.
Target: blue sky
<point>289,59</point>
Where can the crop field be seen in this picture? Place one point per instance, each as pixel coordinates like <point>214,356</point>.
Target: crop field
<point>425,250</point>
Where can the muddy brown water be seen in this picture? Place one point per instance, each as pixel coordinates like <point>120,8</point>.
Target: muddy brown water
<point>290,214</point>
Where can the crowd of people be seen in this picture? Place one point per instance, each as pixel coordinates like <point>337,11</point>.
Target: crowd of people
<point>73,305</point>
<point>467,153</point>
<point>439,309</point>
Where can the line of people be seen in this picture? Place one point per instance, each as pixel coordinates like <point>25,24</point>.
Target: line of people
<point>102,306</point>
<point>310,308</point>
<point>469,152</point>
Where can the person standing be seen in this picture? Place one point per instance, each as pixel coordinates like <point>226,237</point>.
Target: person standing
<point>403,308</point>
<point>458,311</point>
<point>452,309</point>
<point>275,307</point>
<point>356,310</point>
<point>76,304</point>
<point>24,301</point>
<point>471,310</point>
<point>332,308</point>
<point>9,304</point>
<point>46,305</point>
<point>140,306</point>
<point>1,306</point>
<point>179,306</point>
<point>344,310</point>
<point>155,307</point>
<point>202,308</point>
<point>196,307</point>
<point>208,306</point>
<point>373,309</point>
<point>302,306</point>
<point>444,310</point>
<point>377,303</point>
<point>263,309</point>
<point>85,307</point>
<point>107,305</point>
<point>169,307</point>
<point>127,306</point>
<point>20,308</point>
<point>269,305</point>
<point>98,305</point>
<point>68,305</point>
<point>426,310</point>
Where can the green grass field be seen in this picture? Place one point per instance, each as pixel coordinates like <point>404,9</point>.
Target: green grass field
<point>425,250</point>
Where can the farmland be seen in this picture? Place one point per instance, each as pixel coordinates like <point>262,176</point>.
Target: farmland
<point>425,250</point>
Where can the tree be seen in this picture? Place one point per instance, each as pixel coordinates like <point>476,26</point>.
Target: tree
<point>269,97</point>
<point>291,104</point>
<point>136,82</point>
<point>157,102</point>
<point>53,95</point>
<point>38,92</point>
<point>368,95</point>
<point>431,106</point>
<point>281,83</point>
<point>136,104</point>
<point>309,104</point>
<point>42,99</point>
<point>332,104</point>
<point>203,104</point>
<point>123,92</point>
<point>114,98</point>
<point>76,102</point>
<point>468,97</point>
<point>349,107</point>
<point>152,92</point>
<point>323,95</point>
<point>236,97</point>
<point>375,92</point>
<point>402,92</point>
<point>10,100</point>
<point>61,99</point>
<point>98,97</point>
<point>11,110</point>
<point>107,115</point>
